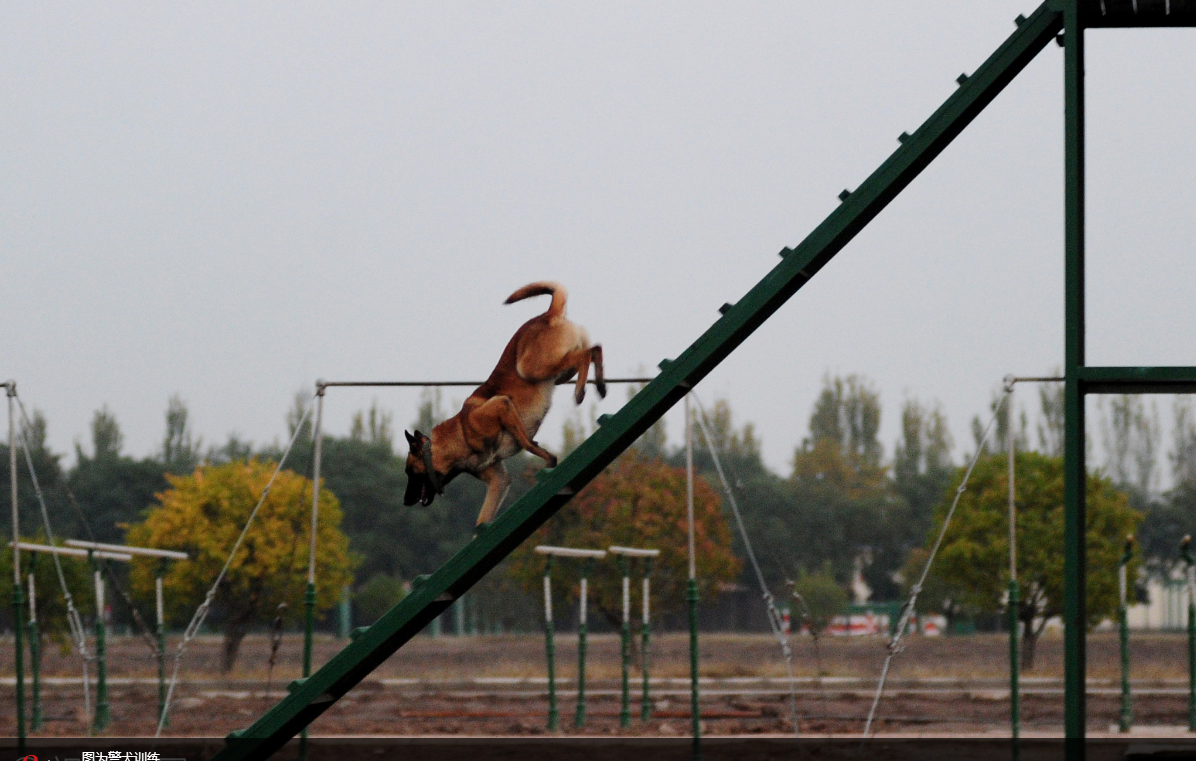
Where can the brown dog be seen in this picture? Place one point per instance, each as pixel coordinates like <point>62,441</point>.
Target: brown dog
<point>503,415</point>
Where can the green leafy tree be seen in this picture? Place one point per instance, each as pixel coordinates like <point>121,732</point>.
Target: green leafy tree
<point>51,604</point>
<point>840,480</point>
<point>113,490</point>
<point>974,559</point>
<point>203,513</point>
<point>378,595</point>
<point>180,450</point>
<point>820,599</point>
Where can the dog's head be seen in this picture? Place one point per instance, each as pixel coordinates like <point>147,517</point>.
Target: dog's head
<point>423,483</point>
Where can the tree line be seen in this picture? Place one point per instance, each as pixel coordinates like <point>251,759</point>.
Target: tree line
<point>845,510</point>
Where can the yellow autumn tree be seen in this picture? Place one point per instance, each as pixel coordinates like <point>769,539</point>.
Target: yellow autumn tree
<point>203,514</point>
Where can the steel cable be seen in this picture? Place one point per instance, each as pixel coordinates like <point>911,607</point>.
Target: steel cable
<point>74,620</point>
<point>775,620</point>
<point>201,613</point>
<point>896,640</point>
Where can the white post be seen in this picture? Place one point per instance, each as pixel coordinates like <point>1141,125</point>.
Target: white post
<point>12,470</point>
<point>548,600</point>
<point>1012,509</point>
<point>315,492</point>
<point>100,595</point>
<point>645,601</point>
<point>158,595</point>
<point>32,601</point>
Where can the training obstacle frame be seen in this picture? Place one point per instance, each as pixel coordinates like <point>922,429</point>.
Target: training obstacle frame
<point>311,696</point>
<point>587,558</point>
<point>623,556</point>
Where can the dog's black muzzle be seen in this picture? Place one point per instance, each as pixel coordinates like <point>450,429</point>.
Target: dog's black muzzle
<point>423,487</point>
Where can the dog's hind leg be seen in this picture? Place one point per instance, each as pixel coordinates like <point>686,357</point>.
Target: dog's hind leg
<point>599,372</point>
<point>498,483</point>
<point>499,414</point>
<point>579,362</point>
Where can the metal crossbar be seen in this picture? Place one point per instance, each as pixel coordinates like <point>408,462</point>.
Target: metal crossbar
<point>310,697</point>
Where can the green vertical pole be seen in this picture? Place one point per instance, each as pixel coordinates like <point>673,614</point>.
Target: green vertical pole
<point>579,718</point>
<point>625,708</point>
<point>309,621</point>
<point>309,599</point>
<point>1015,702</point>
<point>163,717</point>
<point>1185,551</point>
<point>646,701</point>
<point>554,717</point>
<point>103,717</point>
<point>691,589</point>
<point>1126,718</point>
<point>17,595</point>
<point>1075,569</point>
<point>35,653</point>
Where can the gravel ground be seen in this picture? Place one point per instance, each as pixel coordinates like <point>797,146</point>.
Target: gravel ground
<point>429,687</point>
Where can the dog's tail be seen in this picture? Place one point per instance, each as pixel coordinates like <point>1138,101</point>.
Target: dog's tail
<point>543,288</point>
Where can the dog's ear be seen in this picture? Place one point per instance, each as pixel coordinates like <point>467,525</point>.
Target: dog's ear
<point>411,439</point>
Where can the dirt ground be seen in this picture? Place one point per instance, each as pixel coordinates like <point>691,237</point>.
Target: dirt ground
<point>495,685</point>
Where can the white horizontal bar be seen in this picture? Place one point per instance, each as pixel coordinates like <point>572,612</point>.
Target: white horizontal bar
<point>633,552</point>
<point>122,557</point>
<point>569,552</point>
<point>147,551</point>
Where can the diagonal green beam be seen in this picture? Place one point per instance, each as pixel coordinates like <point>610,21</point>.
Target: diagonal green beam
<point>311,697</point>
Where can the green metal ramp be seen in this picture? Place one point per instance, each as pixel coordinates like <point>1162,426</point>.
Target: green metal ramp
<point>310,697</point>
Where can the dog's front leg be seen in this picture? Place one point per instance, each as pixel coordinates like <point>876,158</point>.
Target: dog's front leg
<point>498,483</point>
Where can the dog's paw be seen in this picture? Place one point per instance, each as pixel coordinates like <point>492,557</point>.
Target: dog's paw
<point>551,462</point>
<point>579,395</point>
<point>480,529</point>
<point>601,386</point>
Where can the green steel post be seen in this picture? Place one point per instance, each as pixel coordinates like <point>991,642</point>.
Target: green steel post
<point>579,718</point>
<point>1185,551</point>
<point>103,717</point>
<point>625,707</point>
<point>646,701</point>
<point>1015,702</point>
<point>309,621</point>
<point>555,487</point>
<point>309,599</point>
<point>1015,712</point>
<point>554,717</point>
<point>691,596</point>
<point>163,716</point>
<point>1075,571</point>
<point>35,652</point>
<point>18,602</point>
<point>1191,667</point>
<point>1126,719</point>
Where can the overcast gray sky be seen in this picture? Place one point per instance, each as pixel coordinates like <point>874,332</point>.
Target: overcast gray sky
<point>230,200</point>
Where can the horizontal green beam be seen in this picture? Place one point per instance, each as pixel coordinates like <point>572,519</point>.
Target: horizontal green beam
<point>1139,13</point>
<point>311,697</point>
<point>1138,380</point>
